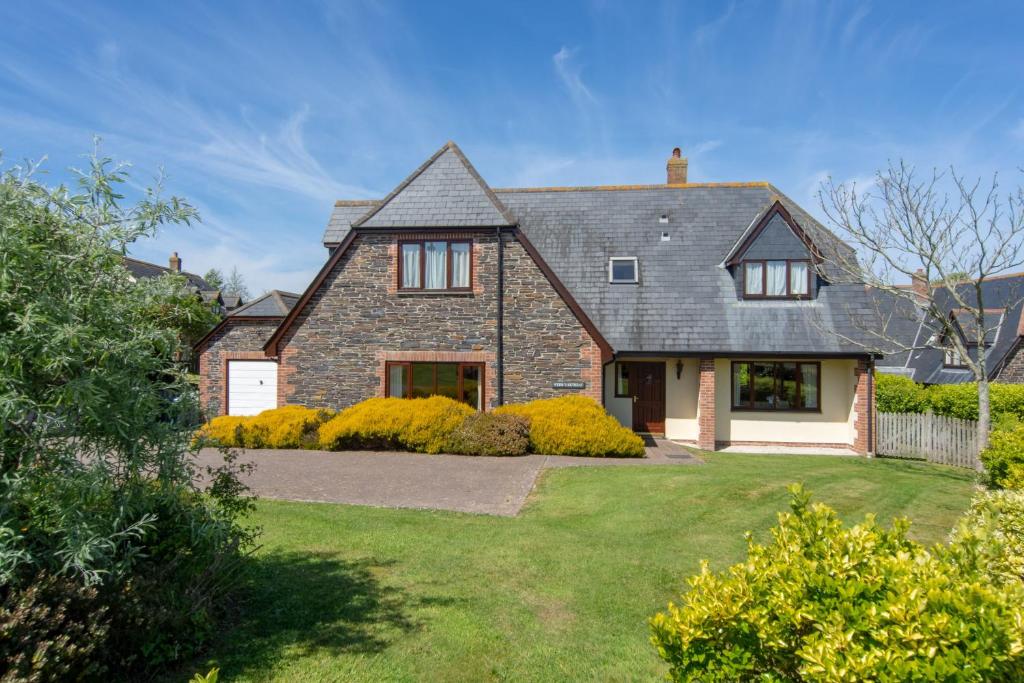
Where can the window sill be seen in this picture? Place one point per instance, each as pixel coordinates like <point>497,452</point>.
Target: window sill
<point>776,410</point>
<point>436,292</point>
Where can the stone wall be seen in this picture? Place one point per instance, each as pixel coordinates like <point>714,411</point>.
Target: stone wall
<point>1012,371</point>
<point>238,339</point>
<point>334,353</point>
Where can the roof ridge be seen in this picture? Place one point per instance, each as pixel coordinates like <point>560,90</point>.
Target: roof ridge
<point>620,188</point>
<point>356,202</point>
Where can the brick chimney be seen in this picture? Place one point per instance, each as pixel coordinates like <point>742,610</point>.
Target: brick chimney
<point>676,168</point>
<point>919,283</point>
<point>175,262</point>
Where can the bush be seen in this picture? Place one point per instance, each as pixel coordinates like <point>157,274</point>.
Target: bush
<point>423,425</point>
<point>52,630</point>
<point>285,427</point>
<point>1004,459</point>
<point>490,434</point>
<point>822,602</point>
<point>993,533</point>
<point>575,425</point>
<point>898,394</point>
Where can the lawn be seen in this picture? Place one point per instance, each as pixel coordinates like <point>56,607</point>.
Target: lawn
<point>562,592</point>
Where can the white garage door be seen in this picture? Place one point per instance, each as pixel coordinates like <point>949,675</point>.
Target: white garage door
<point>252,386</point>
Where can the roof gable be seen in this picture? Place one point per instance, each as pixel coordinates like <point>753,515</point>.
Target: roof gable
<point>773,236</point>
<point>446,191</point>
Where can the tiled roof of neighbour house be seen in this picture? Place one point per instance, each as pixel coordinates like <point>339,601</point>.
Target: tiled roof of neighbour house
<point>686,300</point>
<point>144,269</point>
<point>231,301</point>
<point>1002,298</point>
<point>445,192</point>
<point>274,303</point>
<point>212,296</point>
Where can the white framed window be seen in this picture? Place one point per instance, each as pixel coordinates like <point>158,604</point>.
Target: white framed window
<point>623,270</point>
<point>953,359</point>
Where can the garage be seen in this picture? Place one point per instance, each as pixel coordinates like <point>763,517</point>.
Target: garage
<point>252,386</point>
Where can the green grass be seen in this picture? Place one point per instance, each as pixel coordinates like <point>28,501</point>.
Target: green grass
<point>562,592</point>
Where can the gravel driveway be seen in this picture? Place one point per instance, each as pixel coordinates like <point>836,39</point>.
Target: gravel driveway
<point>496,486</point>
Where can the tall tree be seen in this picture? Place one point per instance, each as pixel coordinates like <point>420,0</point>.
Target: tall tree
<point>943,231</point>
<point>236,284</point>
<point>214,278</point>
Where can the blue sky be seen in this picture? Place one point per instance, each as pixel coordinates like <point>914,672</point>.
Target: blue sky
<point>263,114</point>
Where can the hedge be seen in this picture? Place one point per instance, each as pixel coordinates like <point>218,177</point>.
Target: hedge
<point>575,425</point>
<point>568,425</point>
<point>825,602</point>
<point>286,427</point>
<point>1004,459</point>
<point>897,394</point>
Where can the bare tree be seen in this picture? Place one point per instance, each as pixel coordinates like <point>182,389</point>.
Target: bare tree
<point>235,284</point>
<point>953,233</point>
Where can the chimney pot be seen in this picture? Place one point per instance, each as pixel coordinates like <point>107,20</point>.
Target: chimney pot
<point>175,262</point>
<point>677,167</point>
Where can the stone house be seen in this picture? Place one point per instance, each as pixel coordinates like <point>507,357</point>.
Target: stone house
<point>700,311</point>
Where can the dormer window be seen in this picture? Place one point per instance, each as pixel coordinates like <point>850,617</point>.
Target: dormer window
<point>789,279</point>
<point>953,359</point>
<point>623,270</point>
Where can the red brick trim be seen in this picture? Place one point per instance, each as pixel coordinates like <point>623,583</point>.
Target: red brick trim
<point>593,373</point>
<point>706,405</point>
<point>862,406</point>
<point>488,358</point>
<point>243,355</point>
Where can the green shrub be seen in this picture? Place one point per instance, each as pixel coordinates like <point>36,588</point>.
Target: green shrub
<point>956,400</point>
<point>898,394</point>
<point>423,425</point>
<point>991,533</point>
<point>1004,459</point>
<point>51,630</point>
<point>575,425</point>
<point>490,434</point>
<point>823,602</point>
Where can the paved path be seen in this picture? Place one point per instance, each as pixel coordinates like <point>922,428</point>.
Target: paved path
<point>497,486</point>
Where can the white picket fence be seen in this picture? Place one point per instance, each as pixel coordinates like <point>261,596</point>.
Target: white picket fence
<point>944,440</point>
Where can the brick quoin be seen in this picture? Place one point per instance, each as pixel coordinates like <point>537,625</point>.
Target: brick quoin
<point>861,407</point>
<point>706,405</point>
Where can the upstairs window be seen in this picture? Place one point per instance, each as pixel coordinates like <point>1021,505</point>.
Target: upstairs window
<point>623,270</point>
<point>953,359</point>
<point>435,265</point>
<point>776,279</point>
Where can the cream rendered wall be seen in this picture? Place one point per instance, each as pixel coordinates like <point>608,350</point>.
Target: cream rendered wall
<point>680,398</point>
<point>834,424</point>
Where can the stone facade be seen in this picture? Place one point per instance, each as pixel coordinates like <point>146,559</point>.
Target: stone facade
<point>238,339</point>
<point>1012,371</point>
<point>335,352</point>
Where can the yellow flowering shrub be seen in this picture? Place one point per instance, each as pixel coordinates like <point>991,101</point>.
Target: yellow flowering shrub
<point>575,425</point>
<point>424,425</point>
<point>285,427</point>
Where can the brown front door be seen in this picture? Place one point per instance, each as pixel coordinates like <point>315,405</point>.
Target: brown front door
<point>647,384</point>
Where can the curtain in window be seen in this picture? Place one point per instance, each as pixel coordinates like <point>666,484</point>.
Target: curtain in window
<point>776,278</point>
<point>460,264</point>
<point>437,259</point>
<point>797,278</point>
<point>410,265</point>
<point>753,279</point>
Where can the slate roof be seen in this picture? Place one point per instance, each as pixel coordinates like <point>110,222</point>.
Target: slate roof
<point>1002,298</point>
<point>144,269</point>
<point>273,304</point>
<point>686,300</point>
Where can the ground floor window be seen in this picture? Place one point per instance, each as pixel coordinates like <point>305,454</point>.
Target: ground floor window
<point>765,385</point>
<point>460,381</point>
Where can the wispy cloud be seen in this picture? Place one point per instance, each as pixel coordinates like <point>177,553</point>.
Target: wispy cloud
<point>707,33</point>
<point>852,25</point>
<point>1017,131</point>
<point>570,74</point>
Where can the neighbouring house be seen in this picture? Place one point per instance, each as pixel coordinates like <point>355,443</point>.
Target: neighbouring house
<point>701,311</point>
<point>930,358</point>
<point>143,269</point>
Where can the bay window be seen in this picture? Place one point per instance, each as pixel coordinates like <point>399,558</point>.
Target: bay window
<point>776,279</point>
<point>458,381</point>
<point>435,265</point>
<point>768,385</point>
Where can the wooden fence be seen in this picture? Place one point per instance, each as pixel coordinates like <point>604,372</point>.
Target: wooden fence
<point>944,440</point>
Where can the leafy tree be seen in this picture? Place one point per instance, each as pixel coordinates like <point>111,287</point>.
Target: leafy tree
<point>214,278</point>
<point>171,303</point>
<point>95,427</point>
<point>236,284</point>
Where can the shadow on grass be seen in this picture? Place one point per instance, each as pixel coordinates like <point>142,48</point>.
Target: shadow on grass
<point>297,605</point>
